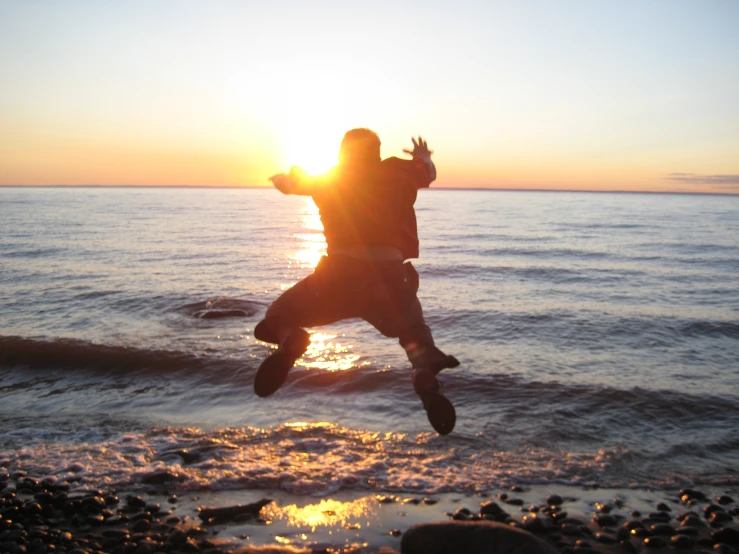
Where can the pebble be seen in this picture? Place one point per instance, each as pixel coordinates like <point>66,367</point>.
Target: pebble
<point>629,546</point>
<point>490,508</point>
<point>662,529</point>
<point>693,521</point>
<point>633,524</point>
<point>135,502</point>
<point>119,534</point>
<point>554,500</point>
<point>719,517</point>
<point>177,537</point>
<point>682,542</point>
<point>558,516</point>
<point>537,523</point>
<point>573,520</point>
<point>691,494</point>
<point>605,538</point>
<point>727,535</point>
<point>654,542</point>
<point>606,520</point>
<point>462,514</point>
<point>571,529</point>
<point>141,526</point>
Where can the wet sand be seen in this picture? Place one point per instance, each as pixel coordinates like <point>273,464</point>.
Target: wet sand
<point>40,516</point>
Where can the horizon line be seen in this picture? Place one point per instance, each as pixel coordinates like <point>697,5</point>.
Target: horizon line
<point>485,189</point>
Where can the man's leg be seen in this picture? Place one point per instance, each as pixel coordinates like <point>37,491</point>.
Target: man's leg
<point>414,335</point>
<point>418,342</point>
<point>397,312</point>
<point>311,302</point>
<point>427,361</point>
<point>285,331</point>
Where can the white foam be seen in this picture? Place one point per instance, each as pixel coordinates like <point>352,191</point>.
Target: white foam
<point>315,459</point>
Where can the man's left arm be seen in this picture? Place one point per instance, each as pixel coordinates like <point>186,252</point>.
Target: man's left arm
<point>422,159</point>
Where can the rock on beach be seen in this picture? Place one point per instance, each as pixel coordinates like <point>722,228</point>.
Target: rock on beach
<point>471,537</point>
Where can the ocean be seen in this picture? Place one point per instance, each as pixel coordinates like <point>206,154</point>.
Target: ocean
<point>598,335</point>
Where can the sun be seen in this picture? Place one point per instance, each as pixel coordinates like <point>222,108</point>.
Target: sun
<point>309,121</point>
<point>311,147</point>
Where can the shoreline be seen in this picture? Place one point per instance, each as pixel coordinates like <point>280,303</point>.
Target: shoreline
<point>568,518</point>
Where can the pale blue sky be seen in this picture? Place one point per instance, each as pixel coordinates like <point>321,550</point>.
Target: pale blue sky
<point>575,94</point>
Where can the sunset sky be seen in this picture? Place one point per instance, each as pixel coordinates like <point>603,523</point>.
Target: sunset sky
<point>596,95</point>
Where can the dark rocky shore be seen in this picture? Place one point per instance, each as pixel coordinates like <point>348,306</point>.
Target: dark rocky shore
<point>40,516</point>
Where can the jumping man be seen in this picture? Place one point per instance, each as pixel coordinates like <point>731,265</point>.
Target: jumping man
<point>366,207</point>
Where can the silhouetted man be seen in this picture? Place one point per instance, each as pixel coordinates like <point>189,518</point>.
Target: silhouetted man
<point>366,206</point>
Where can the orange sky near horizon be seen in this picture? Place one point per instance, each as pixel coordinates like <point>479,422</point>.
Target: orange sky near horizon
<point>633,96</point>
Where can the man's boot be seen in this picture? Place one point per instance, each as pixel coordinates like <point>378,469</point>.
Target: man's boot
<point>439,409</point>
<point>272,374</point>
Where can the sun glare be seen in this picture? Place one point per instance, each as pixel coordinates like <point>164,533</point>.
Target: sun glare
<point>313,149</point>
<point>308,124</point>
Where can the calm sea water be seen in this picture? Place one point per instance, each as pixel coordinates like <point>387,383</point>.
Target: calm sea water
<point>598,334</point>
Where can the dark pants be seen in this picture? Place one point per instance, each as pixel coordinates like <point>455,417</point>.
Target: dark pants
<point>342,287</point>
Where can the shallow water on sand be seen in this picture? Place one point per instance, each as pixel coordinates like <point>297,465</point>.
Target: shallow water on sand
<point>598,335</point>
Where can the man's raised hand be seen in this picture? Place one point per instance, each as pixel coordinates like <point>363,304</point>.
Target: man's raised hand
<point>420,149</point>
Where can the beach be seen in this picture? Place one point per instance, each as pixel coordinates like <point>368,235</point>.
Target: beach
<point>39,513</point>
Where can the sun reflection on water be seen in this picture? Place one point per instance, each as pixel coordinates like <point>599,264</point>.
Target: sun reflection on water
<point>326,354</point>
<point>313,243</point>
<point>327,513</point>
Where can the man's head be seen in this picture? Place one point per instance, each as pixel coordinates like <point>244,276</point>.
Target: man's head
<point>359,147</point>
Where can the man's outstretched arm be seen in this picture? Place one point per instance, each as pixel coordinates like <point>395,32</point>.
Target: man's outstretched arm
<point>297,182</point>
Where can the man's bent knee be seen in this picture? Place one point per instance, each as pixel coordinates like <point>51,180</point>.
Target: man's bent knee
<point>270,329</point>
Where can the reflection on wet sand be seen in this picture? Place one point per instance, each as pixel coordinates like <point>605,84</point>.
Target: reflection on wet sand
<point>353,514</point>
